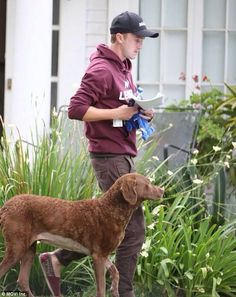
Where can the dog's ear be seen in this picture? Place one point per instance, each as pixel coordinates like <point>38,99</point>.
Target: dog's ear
<point>129,191</point>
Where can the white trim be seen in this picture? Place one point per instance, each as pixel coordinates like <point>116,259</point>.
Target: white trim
<point>226,42</point>
<point>9,55</point>
<point>162,51</point>
<point>195,49</point>
<point>56,27</point>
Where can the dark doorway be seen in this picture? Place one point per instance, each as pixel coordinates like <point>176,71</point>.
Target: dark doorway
<point>2,56</point>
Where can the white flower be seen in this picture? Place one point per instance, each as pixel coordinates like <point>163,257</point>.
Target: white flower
<point>216,148</point>
<point>226,164</point>
<point>155,158</point>
<point>156,210</point>
<point>152,179</point>
<point>170,125</point>
<point>197,181</point>
<point>195,152</point>
<point>201,290</point>
<point>194,161</point>
<point>169,172</point>
<point>144,254</point>
<point>146,244</point>
<point>228,157</point>
<point>151,226</point>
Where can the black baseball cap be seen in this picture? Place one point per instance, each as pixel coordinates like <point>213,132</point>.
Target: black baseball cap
<point>130,22</point>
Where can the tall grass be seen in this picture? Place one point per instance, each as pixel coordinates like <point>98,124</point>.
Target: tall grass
<point>46,165</point>
<point>50,164</point>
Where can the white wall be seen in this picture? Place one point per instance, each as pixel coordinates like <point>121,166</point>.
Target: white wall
<point>116,7</point>
<point>97,25</point>
<point>28,63</point>
<point>71,48</point>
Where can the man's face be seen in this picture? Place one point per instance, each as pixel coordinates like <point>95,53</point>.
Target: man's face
<point>131,45</point>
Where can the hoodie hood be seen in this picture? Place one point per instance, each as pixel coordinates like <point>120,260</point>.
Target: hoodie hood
<point>104,52</point>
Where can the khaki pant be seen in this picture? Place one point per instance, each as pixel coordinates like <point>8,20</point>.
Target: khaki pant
<point>107,170</point>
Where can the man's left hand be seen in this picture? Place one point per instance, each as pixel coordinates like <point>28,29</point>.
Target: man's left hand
<point>147,114</point>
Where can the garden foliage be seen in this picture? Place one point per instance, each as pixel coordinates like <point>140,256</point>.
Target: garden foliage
<point>186,252</point>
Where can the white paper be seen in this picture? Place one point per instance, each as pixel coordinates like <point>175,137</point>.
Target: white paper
<point>150,103</point>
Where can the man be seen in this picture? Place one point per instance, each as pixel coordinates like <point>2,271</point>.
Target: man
<point>102,102</point>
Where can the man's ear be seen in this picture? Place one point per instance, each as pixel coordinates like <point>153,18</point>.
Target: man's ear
<point>119,38</point>
<point>129,192</point>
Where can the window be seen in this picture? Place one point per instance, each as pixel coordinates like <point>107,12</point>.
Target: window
<point>197,38</point>
<point>219,42</point>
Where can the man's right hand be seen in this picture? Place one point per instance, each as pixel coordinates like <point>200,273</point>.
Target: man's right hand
<point>125,112</point>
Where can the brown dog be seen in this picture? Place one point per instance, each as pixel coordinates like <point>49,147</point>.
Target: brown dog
<point>94,227</point>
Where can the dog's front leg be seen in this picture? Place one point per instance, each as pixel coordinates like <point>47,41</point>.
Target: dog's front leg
<point>99,267</point>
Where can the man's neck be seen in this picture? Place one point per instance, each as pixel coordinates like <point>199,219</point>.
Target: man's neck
<point>117,50</point>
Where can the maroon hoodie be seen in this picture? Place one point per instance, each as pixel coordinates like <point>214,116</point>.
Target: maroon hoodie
<point>107,83</point>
